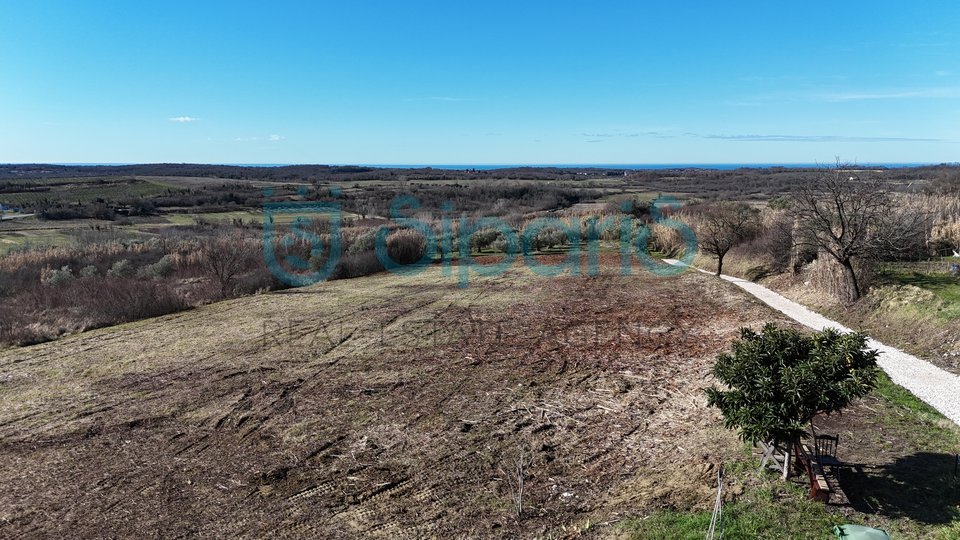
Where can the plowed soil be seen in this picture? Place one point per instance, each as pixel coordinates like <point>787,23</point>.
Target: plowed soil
<point>383,407</point>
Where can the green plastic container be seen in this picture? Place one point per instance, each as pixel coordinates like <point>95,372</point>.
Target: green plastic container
<point>859,532</point>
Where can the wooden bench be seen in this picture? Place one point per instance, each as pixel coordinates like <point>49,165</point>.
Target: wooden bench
<point>819,487</point>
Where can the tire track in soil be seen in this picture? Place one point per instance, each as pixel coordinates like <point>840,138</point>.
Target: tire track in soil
<point>235,419</point>
<point>209,361</point>
<point>368,512</point>
<point>397,441</point>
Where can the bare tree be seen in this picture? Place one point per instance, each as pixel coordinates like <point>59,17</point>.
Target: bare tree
<point>516,476</point>
<point>225,257</point>
<point>723,226</point>
<point>851,218</point>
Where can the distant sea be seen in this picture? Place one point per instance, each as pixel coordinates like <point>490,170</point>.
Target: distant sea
<point>652,166</point>
<point>487,167</point>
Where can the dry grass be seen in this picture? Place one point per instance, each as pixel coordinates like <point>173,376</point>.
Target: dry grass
<point>382,410</point>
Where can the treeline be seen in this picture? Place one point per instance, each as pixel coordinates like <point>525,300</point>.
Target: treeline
<point>767,183</point>
<point>489,198</point>
<point>287,173</point>
<point>213,197</point>
<point>496,198</point>
<point>708,184</point>
<point>325,173</point>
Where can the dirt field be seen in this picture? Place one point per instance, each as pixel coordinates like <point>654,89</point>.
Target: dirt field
<point>391,407</point>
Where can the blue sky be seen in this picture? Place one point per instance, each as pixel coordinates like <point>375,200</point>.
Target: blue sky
<point>490,82</point>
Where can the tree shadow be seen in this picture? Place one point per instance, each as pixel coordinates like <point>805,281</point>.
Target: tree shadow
<point>924,487</point>
<point>924,280</point>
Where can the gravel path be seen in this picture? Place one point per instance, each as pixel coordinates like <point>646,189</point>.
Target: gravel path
<point>938,388</point>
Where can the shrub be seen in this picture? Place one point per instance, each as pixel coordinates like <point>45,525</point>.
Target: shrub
<point>55,278</point>
<point>406,246</point>
<point>945,237</point>
<point>779,379</point>
<point>756,273</point>
<point>162,268</point>
<point>773,244</point>
<point>226,257</point>
<point>361,264</point>
<point>112,301</point>
<point>627,205</point>
<point>121,269</point>
<point>666,240</point>
<point>13,329</point>
<point>88,271</point>
<point>779,203</point>
<point>363,243</point>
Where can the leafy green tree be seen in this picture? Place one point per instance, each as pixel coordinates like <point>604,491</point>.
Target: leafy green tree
<point>483,239</point>
<point>548,238</point>
<point>778,380</point>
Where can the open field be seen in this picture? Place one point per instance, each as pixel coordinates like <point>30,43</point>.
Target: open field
<point>390,407</point>
<point>381,410</point>
<point>11,239</point>
<point>205,181</point>
<point>32,233</point>
<point>399,407</point>
<point>245,216</point>
<point>88,190</point>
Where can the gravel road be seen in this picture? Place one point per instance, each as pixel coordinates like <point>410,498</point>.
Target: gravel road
<point>938,388</point>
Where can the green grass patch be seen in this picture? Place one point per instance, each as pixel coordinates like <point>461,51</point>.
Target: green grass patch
<point>913,495</point>
<point>29,239</point>
<point>772,510</point>
<point>927,428</point>
<point>944,286</point>
<point>87,190</point>
<point>247,216</point>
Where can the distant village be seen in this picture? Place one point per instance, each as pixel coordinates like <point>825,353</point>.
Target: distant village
<point>11,212</point>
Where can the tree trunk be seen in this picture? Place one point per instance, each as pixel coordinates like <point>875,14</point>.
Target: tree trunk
<point>787,454</point>
<point>719,264</point>
<point>853,285</point>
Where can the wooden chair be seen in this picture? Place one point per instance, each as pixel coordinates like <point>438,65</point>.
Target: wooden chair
<point>826,450</point>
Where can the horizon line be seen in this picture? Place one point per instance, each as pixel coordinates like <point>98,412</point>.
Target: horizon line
<point>897,164</point>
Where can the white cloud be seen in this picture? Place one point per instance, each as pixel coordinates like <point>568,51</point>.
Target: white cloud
<point>439,98</point>
<point>813,138</point>
<point>753,137</point>
<point>941,92</point>
<point>272,138</point>
<point>183,119</point>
